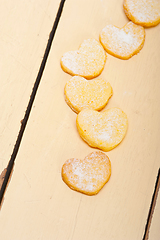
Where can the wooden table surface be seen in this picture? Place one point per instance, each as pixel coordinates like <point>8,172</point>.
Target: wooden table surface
<point>24,32</point>
<point>37,203</point>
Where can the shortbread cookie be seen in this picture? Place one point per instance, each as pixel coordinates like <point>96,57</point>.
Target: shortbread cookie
<point>123,42</point>
<point>143,12</point>
<point>89,175</point>
<point>81,93</point>
<point>103,130</point>
<point>88,61</point>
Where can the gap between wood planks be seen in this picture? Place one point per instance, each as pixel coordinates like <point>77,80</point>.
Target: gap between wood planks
<point>152,207</point>
<point>6,174</point>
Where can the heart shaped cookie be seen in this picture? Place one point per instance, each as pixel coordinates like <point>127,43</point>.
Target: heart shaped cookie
<point>88,61</point>
<point>89,175</point>
<point>123,42</point>
<point>142,12</point>
<point>103,130</point>
<point>81,93</point>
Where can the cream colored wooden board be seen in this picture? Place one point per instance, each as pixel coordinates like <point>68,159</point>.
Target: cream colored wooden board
<point>24,32</point>
<point>38,204</point>
<point>154,233</point>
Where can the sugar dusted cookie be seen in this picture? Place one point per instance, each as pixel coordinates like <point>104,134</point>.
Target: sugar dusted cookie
<point>81,93</point>
<point>103,130</point>
<point>123,42</point>
<point>88,61</point>
<point>89,175</point>
<point>143,12</point>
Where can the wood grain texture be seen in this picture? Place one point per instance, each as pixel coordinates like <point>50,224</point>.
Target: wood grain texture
<point>24,32</point>
<point>38,204</point>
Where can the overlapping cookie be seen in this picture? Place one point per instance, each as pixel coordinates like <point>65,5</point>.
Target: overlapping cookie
<point>81,93</point>
<point>89,175</point>
<point>143,12</point>
<point>88,61</point>
<point>103,130</point>
<point>123,42</point>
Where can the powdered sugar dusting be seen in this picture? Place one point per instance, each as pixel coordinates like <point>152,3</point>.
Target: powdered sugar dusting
<point>103,130</point>
<point>125,37</point>
<point>88,61</point>
<point>122,42</point>
<point>81,93</point>
<point>106,135</point>
<point>144,11</point>
<point>90,174</point>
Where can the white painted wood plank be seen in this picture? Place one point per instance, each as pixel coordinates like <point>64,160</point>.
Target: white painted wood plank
<point>24,32</point>
<point>38,205</point>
